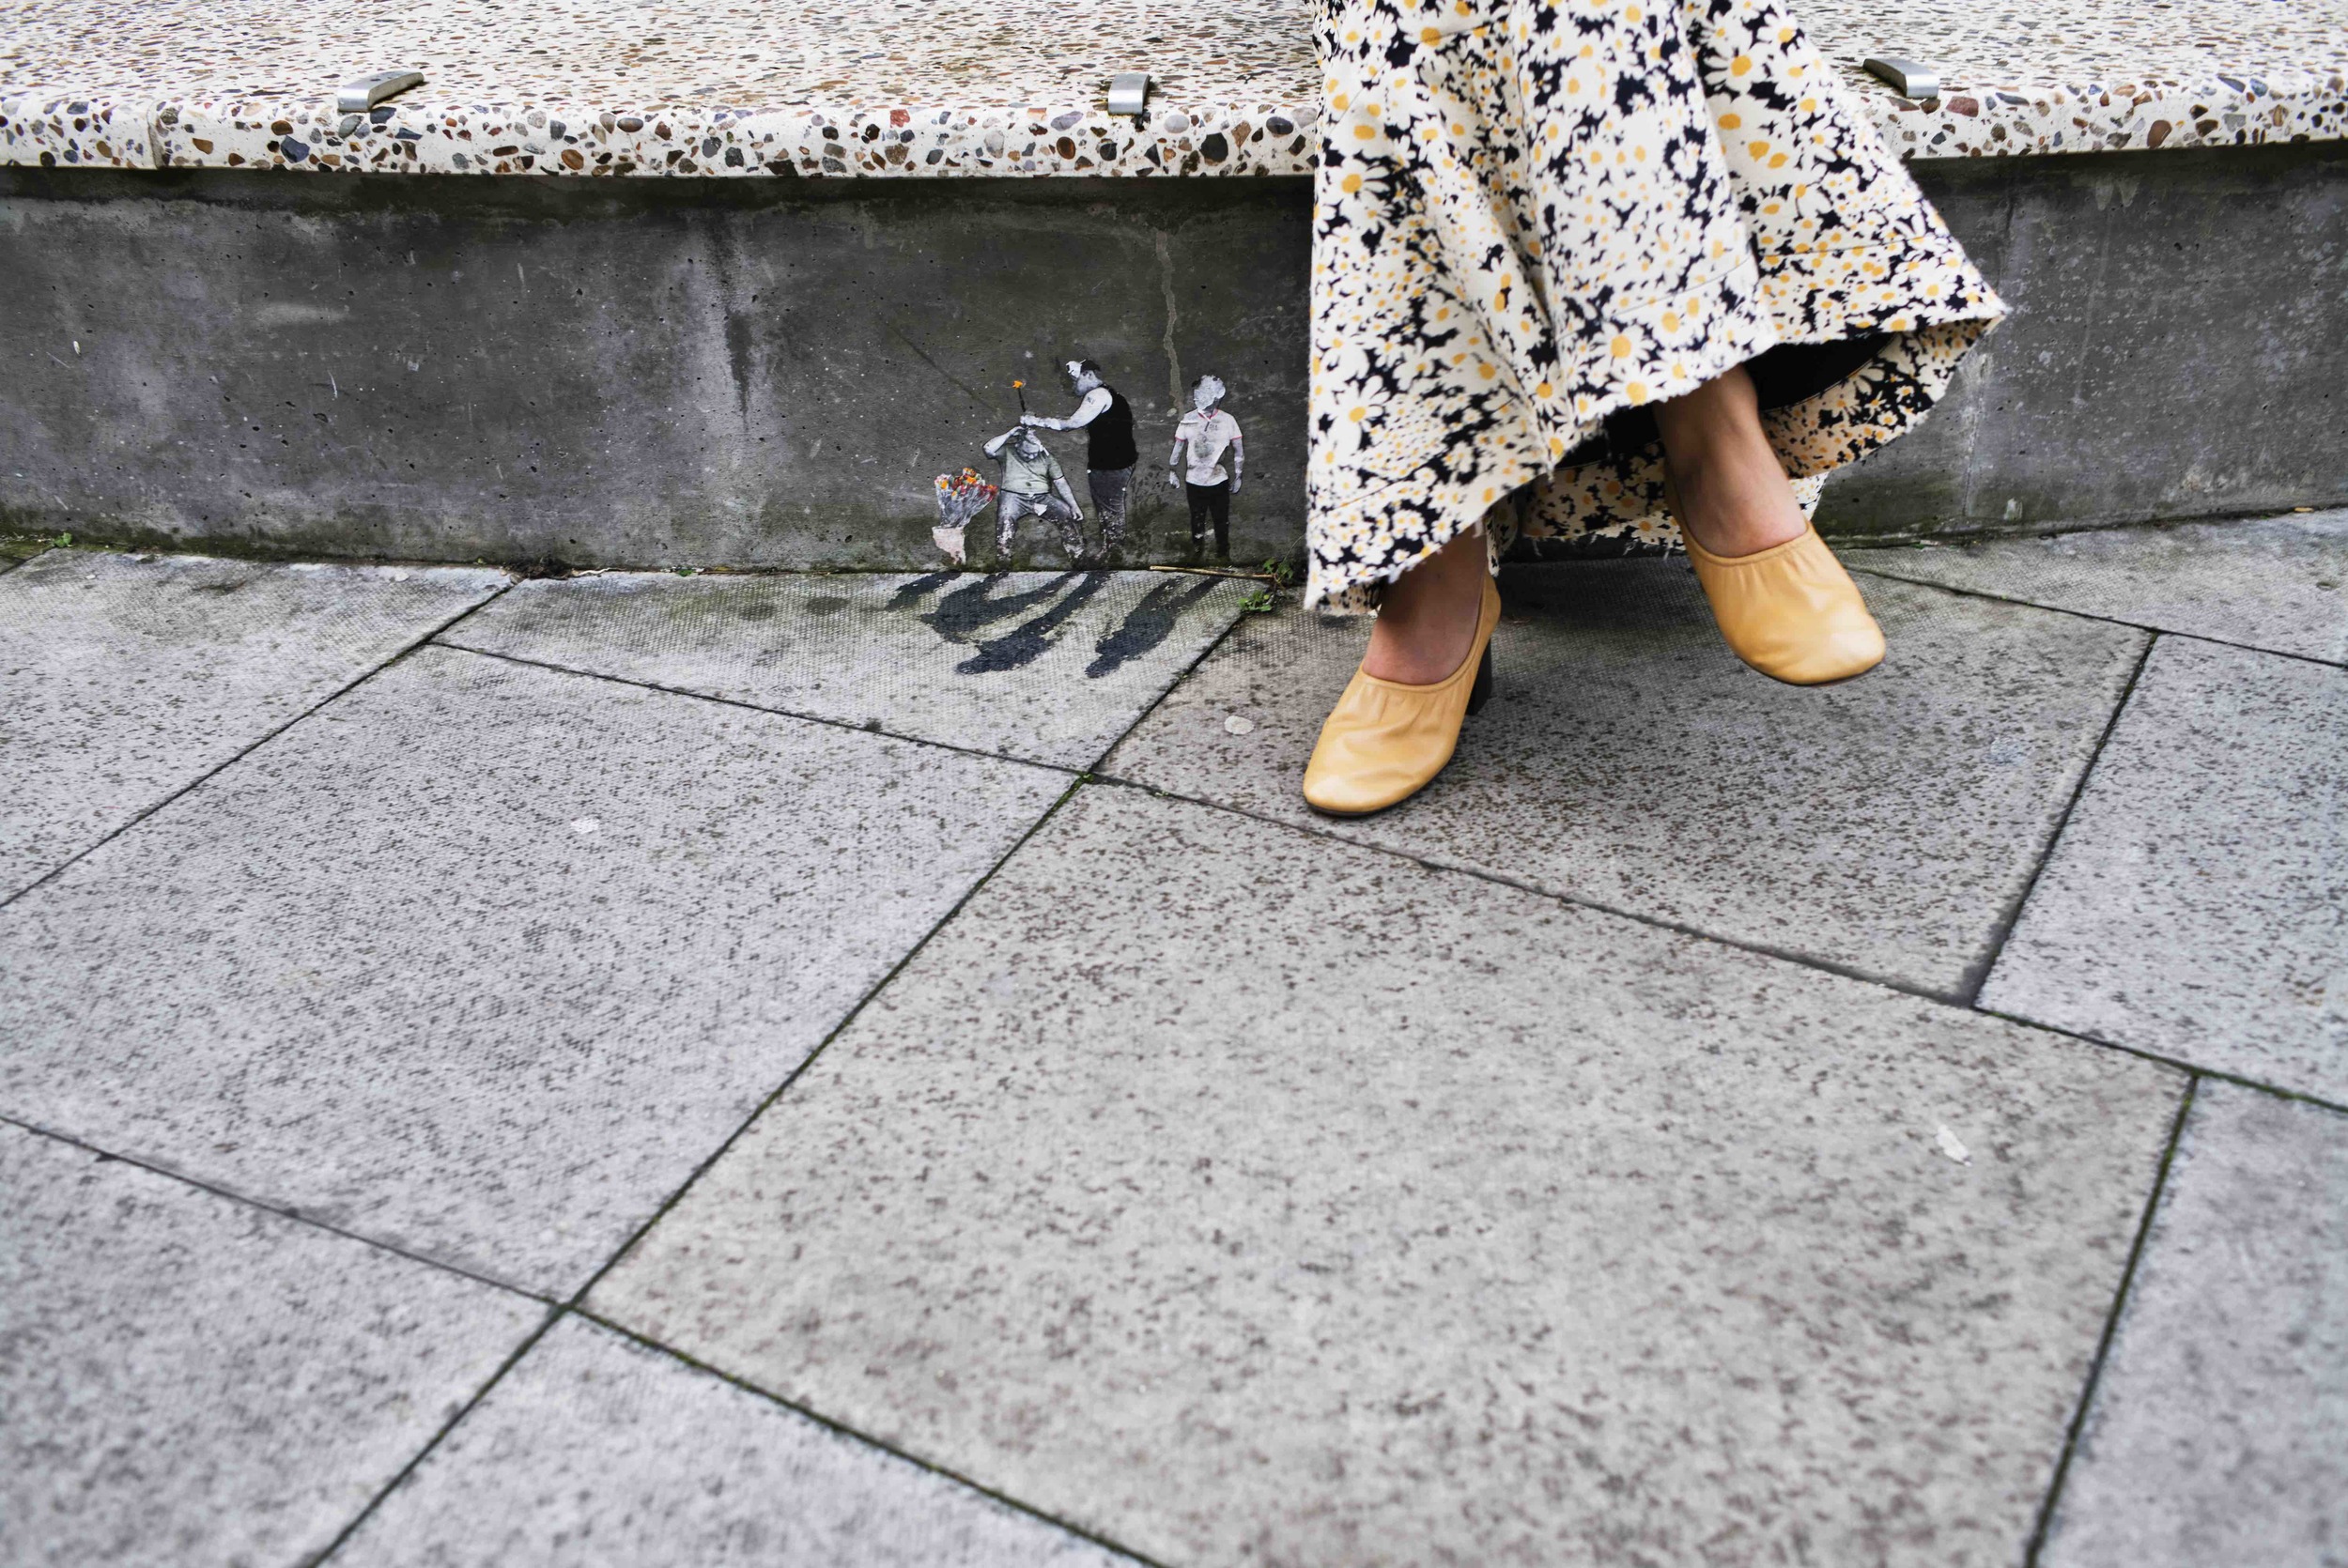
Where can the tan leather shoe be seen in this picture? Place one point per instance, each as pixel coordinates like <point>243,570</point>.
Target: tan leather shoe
<point>1384,741</point>
<point>1790,611</point>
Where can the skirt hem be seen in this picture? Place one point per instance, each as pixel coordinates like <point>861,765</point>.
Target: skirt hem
<point>1924,299</point>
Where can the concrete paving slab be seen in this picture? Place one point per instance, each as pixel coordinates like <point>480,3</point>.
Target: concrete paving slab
<point>2219,1430</point>
<point>483,959</point>
<point>2279,583</point>
<point>1047,667</point>
<point>1247,1197</point>
<point>127,678</point>
<point>594,1449</point>
<point>2197,905</point>
<point>1886,825</point>
<point>186,1380</point>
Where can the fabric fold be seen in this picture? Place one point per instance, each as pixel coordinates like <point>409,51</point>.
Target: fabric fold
<point>1533,217</point>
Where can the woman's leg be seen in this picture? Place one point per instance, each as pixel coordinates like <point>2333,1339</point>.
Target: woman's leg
<point>1730,490</point>
<point>1732,494</point>
<point>1426,620</point>
<point>1429,666</point>
<point>1782,603</point>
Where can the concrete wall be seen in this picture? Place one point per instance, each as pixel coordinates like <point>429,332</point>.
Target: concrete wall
<point>2178,348</point>
<point>671,371</point>
<point>770,373</point>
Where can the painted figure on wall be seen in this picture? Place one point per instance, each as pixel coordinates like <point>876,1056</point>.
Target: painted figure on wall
<point>1034,484</point>
<point>1209,435</point>
<point>961,496</point>
<point>1108,421</point>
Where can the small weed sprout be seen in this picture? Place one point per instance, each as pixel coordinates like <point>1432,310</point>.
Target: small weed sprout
<point>1258,603</point>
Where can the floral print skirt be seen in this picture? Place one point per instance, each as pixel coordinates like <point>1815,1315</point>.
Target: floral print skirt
<point>1533,218</point>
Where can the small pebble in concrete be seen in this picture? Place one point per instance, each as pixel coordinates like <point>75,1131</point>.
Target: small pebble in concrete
<point>899,87</point>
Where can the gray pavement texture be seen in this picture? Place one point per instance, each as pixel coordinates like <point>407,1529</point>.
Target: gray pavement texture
<point>925,1157</point>
<point>128,680</point>
<point>1048,667</point>
<point>2221,1416</point>
<point>187,1379</point>
<point>2198,904</point>
<point>484,962</point>
<point>1323,1234</point>
<point>2277,583</point>
<point>599,1451</point>
<point>1886,826</point>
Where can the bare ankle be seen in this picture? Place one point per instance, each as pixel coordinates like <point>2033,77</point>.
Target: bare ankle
<point>1429,623</point>
<point>1730,493</point>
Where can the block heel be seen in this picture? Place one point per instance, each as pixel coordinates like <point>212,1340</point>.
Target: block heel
<point>1384,741</point>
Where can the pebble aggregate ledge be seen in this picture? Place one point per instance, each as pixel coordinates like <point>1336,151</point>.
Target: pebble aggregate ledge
<point>1018,87</point>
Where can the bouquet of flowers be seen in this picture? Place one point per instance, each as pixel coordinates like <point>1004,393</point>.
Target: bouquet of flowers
<point>960,498</point>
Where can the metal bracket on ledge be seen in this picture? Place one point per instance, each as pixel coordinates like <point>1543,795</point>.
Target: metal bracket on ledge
<point>1907,78</point>
<point>362,93</point>
<point>1128,90</point>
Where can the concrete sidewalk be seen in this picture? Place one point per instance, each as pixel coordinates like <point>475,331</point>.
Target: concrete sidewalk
<point>651,1069</point>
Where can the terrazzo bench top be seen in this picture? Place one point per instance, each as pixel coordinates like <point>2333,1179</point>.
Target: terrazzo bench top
<point>1015,87</point>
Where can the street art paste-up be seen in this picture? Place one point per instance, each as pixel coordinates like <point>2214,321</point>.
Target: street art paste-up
<point>1108,421</point>
<point>960,498</point>
<point>1208,433</point>
<point>1032,484</point>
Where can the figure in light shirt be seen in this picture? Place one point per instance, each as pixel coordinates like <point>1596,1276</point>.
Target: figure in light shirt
<point>1207,435</point>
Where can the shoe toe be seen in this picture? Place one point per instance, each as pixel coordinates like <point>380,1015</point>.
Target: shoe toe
<point>1836,655</point>
<point>1354,787</point>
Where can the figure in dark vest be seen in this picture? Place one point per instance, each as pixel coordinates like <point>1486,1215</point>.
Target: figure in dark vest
<point>1108,421</point>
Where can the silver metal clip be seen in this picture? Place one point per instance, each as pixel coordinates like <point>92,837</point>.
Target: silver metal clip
<point>1128,90</point>
<point>362,93</point>
<point>1907,78</point>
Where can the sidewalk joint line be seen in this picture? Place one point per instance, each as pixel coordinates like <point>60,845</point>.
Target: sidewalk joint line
<point>829,1423</point>
<point>575,1303</point>
<point>2105,620</point>
<point>579,1295</point>
<point>246,1200</point>
<point>754,707</point>
<point>1158,701</point>
<point>2111,1327</point>
<point>1573,901</point>
<point>497,1375</point>
<point>1977,973</point>
<point>1823,966</point>
<point>2183,1065</point>
<point>209,775</point>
